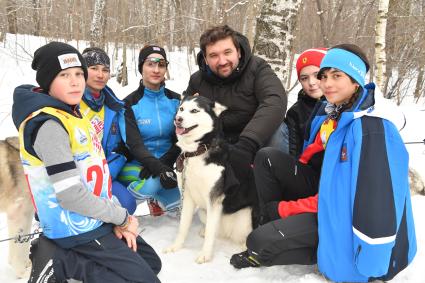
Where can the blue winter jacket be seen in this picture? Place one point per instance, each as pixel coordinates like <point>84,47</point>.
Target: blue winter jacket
<point>365,219</point>
<point>112,140</point>
<point>148,127</point>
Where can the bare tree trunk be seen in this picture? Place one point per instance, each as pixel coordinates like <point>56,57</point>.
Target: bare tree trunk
<point>380,52</point>
<point>96,24</point>
<point>223,13</point>
<point>12,19</point>
<point>250,21</point>
<point>172,23</point>
<point>419,88</point>
<point>320,13</point>
<point>36,16</point>
<point>124,17</point>
<point>275,34</point>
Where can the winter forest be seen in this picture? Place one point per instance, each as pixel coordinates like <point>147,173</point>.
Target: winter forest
<point>391,32</point>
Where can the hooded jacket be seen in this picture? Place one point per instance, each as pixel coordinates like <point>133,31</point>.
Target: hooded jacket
<point>78,204</point>
<point>253,94</point>
<point>112,142</point>
<point>297,119</point>
<point>365,220</point>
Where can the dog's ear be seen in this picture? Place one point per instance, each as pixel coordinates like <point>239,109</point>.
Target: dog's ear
<point>13,142</point>
<point>218,108</point>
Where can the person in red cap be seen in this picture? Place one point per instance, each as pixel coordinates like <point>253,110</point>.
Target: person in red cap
<point>295,240</point>
<point>291,139</point>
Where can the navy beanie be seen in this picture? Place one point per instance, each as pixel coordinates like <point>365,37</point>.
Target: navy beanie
<point>148,50</point>
<point>96,56</point>
<point>52,58</point>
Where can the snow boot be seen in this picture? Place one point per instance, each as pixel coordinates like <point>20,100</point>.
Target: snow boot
<point>244,259</point>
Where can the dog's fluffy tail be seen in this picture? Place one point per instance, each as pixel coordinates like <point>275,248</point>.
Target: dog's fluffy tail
<point>416,182</point>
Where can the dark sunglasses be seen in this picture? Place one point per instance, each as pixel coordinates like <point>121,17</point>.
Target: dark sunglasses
<point>152,62</point>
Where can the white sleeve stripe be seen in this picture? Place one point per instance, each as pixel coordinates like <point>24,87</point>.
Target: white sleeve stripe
<point>373,241</point>
<point>66,183</point>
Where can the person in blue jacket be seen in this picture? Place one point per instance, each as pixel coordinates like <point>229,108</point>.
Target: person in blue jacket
<point>149,132</point>
<point>102,107</point>
<point>364,222</point>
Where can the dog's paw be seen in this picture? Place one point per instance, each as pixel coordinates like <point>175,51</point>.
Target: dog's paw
<point>204,257</point>
<point>173,248</point>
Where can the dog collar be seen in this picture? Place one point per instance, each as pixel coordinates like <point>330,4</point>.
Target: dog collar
<point>202,148</point>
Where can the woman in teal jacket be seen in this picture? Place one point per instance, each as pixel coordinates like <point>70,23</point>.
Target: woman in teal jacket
<point>149,133</point>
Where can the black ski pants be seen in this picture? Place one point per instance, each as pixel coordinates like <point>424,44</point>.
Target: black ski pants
<point>292,240</point>
<point>108,259</point>
<point>279,176</point>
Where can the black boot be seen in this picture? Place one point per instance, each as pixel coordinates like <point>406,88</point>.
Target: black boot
<point>244,259</point>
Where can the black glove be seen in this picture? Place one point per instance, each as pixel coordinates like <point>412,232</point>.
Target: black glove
<point>272,210</point>
<point>154,167</point>
<point>122,149</point>
<point>145,173</point>
<point>168,179</point>
<point>151,167</point>
<point>169,158</point>
<point>241,156</point>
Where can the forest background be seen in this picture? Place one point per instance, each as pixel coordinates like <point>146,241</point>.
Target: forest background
<point>392,32</point>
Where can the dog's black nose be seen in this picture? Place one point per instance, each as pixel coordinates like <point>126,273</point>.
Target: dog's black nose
<point>179,119</point>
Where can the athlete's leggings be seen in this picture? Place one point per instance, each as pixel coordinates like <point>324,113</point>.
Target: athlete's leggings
<point>142,189</point>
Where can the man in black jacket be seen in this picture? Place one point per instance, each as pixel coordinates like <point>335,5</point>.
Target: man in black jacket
<point>253,94</point>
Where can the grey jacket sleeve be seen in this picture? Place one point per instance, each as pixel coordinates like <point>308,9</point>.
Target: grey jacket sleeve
<point>53,148</point>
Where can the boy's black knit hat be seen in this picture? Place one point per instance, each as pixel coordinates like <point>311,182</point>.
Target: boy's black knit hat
<point>148,50</point>
<point>54,57</point>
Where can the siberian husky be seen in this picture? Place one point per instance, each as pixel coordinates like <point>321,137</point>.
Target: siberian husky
<point>201,172</point>
<point>16,203</point>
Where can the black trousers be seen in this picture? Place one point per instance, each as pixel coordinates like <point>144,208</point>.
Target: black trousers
<point>108,259</point>
<point>279,176</point>
<point>292,240</point>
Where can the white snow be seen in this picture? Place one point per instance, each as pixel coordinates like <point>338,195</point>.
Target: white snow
<point>160,231</point>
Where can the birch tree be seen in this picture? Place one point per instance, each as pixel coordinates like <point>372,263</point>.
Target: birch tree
<point>96,24</point>
<point>275,34</point>
<point>380,36</point>
<point>12,18</point>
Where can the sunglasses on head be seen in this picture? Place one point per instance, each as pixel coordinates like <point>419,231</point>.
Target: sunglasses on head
<point>152,62</point>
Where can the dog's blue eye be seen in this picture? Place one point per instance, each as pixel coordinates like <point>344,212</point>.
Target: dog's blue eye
<point>194,111</point>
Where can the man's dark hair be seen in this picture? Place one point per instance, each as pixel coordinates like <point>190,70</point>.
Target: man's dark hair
<point>355,50</point>
<point>215,34</point>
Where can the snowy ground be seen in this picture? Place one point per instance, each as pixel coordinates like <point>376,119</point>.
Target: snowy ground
<point>160,231</point>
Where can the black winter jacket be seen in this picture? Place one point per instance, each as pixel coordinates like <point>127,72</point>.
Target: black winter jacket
<point>296,119</point>
<point>253,94</point>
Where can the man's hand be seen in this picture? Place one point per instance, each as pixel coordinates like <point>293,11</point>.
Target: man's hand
<point>241,156</point>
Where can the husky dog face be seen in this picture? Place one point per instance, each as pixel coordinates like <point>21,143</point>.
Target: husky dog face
<point>195,117</point>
